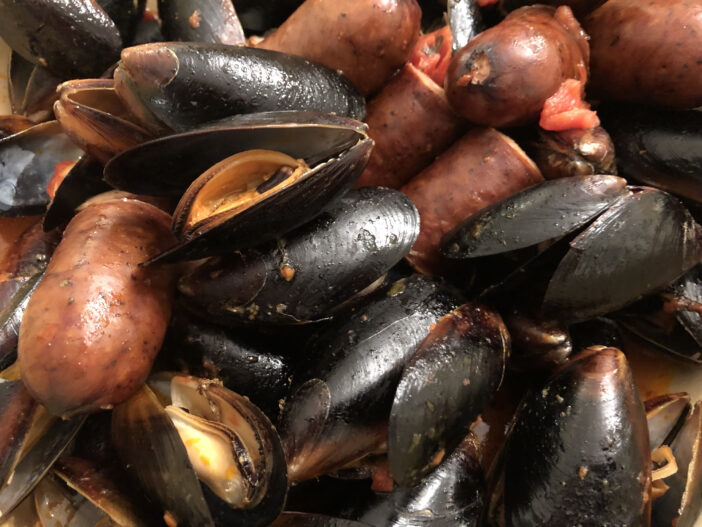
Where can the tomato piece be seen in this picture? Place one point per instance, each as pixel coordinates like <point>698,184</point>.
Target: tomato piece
<point>432,54</point>
<point>566,109</point>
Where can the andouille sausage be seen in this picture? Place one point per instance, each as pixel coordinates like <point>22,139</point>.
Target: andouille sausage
<point>482,167</point>
<point>96,321</point>
<point>505,74</point>
<point>647,52</point>
<point>367,40</point>
<point>411,122</point>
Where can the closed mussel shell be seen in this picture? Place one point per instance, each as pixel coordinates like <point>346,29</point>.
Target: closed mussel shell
<point>639,245</point>
<point>545,211</point>
<point>303,275</point>
<point>448,381</point>
<point>177,86</point>
<point>72,39</point>
<point>27,162</point>
<point>451,496</point>
<point>578,450</point>
<point>344,390</point>
<point>167,166</point>
<point>229,206</point>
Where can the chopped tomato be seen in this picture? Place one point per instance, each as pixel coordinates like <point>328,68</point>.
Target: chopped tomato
<point>483,3</point>
<point>432,54</point>
<point>60,172</point>
<point>566,109</point>
<point>382,481</point>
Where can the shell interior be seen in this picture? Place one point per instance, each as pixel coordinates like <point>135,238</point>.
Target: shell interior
<point>233,185</point>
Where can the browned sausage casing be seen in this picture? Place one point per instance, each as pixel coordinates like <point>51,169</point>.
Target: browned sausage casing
<point>503,76</point>
<point>368,40</point>
<point>647,52</point>
<point>411,123</point>
<point>483,167</point>
<point>96,321</point>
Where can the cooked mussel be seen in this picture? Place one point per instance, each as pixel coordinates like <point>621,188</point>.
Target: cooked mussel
<point>301,276</point>
<point>229,206</point>
<point>167,166</point>
<point>212,432</point>
<point>95,119</point>
<point>177,86</point>
<point>344,389</point>
<point>449,380</point>
<point>74,39</point>
<point>213,21</point>
<point>578,450</point>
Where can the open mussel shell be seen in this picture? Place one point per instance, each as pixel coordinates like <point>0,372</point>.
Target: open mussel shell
<point>344,389</point>
<point>58,506</point>
<point>178,86</point>
<point>639,245</point>
<point>537,214</point>
<point>451,496</point>
<point>13,124</point>
<point>76,39</point>
<point>27,162</point>
<point>447,383</point>
<point>579,449</point>
<point>95,119</point>
<point>37,461</point>
<point>229,206</point>
<point>18,411</point>
<point>663,414</point>
<point>210,433</point>
<point>290,280</point>
<point>682,503</point>
<point>167,166</point>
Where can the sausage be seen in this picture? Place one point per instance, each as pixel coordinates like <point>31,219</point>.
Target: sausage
<point>647,52</point>
<point>367,40</point>
<point>96,321</point>
<point>482,167</point>
<point>505,74</point>
<point>411,123</point>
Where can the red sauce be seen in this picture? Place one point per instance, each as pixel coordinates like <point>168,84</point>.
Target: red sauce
<point>432,54</point>
<point>566,109</point>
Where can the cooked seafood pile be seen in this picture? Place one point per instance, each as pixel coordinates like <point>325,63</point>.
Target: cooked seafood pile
<point>340,263</point>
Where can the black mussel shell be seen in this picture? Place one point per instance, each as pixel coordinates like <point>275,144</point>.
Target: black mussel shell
<point>451,496</point>
<point>167,166</point>
<point>211,21</point>
<point>687,301</point>
<point>344,389</point>
<point>149,445</point>
<point>661,148</point>
<point>125,14</point>
<point>537,214</point>
<point>596,332</point>
<point>537,343</point>
<point>296,200</point>
<point>13,124</point>
<point>178,86</point>
<point>37,462</point>
<point>303,275</point>
<point>27,163</point>
<point>639,245</point>
<point>82,182</point>
<point>258,16</point>
<point>681,505</point>
<point>32,89</point>
<point>578,450</point>
<point>73,40</point>
<point>17,412</point>
<point>249,366</point>
<point>447,383</point>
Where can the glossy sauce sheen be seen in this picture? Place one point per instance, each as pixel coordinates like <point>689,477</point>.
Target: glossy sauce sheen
<point>95,323</point>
